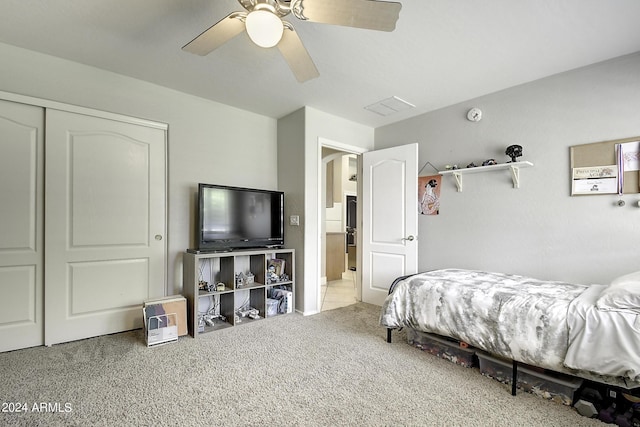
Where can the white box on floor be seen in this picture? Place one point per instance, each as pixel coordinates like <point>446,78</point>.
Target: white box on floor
<point>161,329</point>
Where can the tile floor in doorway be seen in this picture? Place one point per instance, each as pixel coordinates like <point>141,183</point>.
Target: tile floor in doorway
<point>338,293</point>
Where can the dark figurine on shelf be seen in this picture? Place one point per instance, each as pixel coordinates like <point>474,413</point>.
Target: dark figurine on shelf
<point>514,151</point>
<point>489,162</point>
<point>471,165</point>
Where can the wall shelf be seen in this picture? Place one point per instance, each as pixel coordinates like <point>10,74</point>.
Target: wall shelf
<point>513,167</point>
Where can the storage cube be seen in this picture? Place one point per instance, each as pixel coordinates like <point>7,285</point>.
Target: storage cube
<point>550,385</point>
<point>442,347</point>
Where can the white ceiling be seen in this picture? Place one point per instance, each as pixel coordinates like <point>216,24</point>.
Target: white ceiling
<point>441,53</point>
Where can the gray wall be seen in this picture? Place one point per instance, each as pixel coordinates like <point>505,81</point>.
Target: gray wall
<point>290,178</point>
<point>539,229</point>
<point>301,136</point>
<point>208,142</point>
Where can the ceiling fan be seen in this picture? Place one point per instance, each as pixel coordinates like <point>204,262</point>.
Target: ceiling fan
<point>266,28</point>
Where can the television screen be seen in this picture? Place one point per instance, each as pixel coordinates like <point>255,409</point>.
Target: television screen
<point>232,217</point>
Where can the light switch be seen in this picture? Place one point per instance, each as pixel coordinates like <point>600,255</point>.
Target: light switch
<point>294,220</point>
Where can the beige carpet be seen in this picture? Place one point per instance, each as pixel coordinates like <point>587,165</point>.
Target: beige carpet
<point>331,369</point>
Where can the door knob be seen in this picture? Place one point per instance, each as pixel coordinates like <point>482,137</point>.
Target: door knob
<point>158,237</point>
<point>409,238</point>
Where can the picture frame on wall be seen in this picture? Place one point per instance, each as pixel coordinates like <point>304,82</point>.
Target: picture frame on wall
<point>429,194</point>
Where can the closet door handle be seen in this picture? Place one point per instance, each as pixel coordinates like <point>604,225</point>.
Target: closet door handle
<point>409,238</point>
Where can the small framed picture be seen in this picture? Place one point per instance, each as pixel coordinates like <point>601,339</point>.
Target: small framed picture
<point>429,194</point>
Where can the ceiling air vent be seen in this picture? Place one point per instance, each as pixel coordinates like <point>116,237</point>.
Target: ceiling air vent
<point>389,106</point>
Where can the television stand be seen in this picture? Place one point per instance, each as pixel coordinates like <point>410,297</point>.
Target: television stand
<point>231,288</point>
<point>208,251</point>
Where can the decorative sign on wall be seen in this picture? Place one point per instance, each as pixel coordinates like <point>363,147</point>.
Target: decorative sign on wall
<point>595,180</point>
<point>429,194</point>
<point>608,167</point>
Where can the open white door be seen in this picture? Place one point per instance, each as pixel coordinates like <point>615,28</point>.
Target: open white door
<point>389,219</point>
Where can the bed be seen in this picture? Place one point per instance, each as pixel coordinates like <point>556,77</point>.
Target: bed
<point>590,331</point>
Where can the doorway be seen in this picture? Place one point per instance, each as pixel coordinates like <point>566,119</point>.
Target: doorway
<point>339,229</point>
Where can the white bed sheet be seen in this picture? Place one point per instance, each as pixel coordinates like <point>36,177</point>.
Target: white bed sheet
<point>603,342</point>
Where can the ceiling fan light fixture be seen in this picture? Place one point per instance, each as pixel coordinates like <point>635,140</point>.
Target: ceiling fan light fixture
<point>264,28</point>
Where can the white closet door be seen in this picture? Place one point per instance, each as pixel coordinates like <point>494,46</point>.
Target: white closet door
<point>21,140</point>
<point>105,224</point>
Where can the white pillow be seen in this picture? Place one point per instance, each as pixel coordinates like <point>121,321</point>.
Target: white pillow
<point>622,294</point>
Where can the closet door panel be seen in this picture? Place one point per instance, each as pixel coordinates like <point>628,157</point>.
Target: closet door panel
<point>21,210</point>
<point>105,224</point>
<point>104,168</point>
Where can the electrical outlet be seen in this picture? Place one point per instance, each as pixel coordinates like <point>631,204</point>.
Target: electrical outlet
<point>294,220</point>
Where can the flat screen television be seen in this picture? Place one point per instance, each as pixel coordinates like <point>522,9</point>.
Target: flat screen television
<point>236,218</point>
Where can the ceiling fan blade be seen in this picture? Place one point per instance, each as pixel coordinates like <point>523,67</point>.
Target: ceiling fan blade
<point>217,35</point>
<point>367,14</point>
<point>297,56</point>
